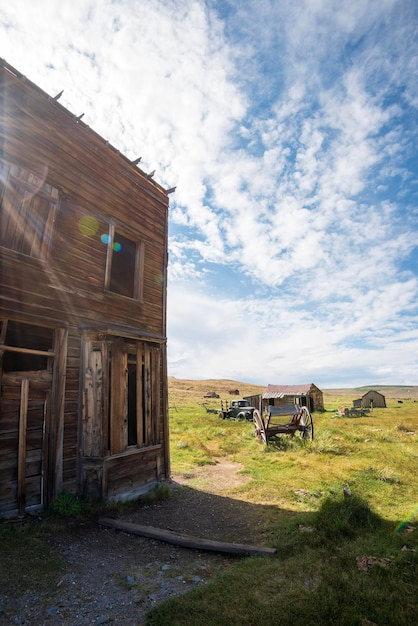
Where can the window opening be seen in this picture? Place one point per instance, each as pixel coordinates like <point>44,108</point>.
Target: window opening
<point>18,362</point>
<point>27,210</point>
<point>124,264</point>
<point>30,337</point>
<point>122,272</point>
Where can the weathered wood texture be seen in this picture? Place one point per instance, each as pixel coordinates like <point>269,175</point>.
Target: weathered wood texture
<point>24,413</point>
<point>78,189</point>
<point>373,399</point>
<point>94,183</point>
<point>186,541</point>
<point>126,472</point>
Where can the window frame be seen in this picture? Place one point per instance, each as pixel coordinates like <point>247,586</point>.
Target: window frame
<point>138,282</point>
<point>22,189</point>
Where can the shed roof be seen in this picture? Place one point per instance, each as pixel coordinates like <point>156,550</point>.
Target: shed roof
<point>280,391</point>
<point>373,392</point>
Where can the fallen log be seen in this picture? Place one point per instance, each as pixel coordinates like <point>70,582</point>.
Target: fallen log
<point>185,541</point>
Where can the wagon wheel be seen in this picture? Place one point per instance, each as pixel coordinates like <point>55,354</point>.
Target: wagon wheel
<point>260,431</point>
<point>306,422</point>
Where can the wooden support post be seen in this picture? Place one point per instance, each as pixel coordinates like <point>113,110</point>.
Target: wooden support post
<point>166,433</point>
<point>156,394</point>
<point>56,430</point>
<point>119,399</point>
<point>140,434</point>
<point>21,463</point>
<point>148,397</point>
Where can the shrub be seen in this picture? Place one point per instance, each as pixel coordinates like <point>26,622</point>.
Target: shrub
<point>66,505</point>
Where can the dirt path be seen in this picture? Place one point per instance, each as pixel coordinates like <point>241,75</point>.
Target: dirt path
<point>116,578</point>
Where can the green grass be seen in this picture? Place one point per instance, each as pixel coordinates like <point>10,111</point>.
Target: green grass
<point>324,576</point>
<point>340,560</point>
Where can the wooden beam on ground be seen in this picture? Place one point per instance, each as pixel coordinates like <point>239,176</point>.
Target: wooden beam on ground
<point>185,541</point>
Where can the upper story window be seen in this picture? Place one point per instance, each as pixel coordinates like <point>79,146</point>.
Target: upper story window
<point>124,264</point>
<point>27,210</point>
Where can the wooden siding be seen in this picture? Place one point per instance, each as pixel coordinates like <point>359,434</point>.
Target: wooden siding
<point>317,398</point>
<point>60,284</point>
<point>25,410</point>
<point>373,398</point>
<point>70,467</point>
<point>133,471</point>
<point>94,182</point>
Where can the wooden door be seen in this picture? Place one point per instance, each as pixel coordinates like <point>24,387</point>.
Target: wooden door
<point>25,407</point>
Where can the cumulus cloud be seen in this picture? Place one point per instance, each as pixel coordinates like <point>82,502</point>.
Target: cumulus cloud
<point>289,130</point>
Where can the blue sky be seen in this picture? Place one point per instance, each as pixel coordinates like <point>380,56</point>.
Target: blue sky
<point>290,131</point>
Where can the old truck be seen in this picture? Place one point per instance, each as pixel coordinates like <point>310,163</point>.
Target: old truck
<point>237,409</point>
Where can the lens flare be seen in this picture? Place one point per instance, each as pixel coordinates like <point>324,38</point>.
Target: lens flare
<point>88,225</point>
<point>117,247</point>
<point>105,238</point>
<point>404,522</point>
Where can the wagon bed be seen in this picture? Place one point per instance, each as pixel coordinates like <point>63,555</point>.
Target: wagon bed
<point>300,420</point>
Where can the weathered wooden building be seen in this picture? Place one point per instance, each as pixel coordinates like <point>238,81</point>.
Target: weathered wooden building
<point>305,395</point>
<point>83,259</point>
<point>371,399</point>
<point>278,395</point>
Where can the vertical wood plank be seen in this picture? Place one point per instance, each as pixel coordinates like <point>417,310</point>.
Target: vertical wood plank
<point>140,394</point>
<point>93,402</point>
<point>109,255</point>
<point>45,450</point>
<point>139,271</point>
<point>21,461</point>
<point>119,399</point>
<point>148,397</point>
<point>166,432</point>
<point>156,358</point>
<point>97,369</point>
<point>55,475</point>
<point>105,396</point>
<point>87,404</point>
<point>3,330</point>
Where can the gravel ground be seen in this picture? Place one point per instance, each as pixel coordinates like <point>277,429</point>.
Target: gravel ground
<point>115,578</point>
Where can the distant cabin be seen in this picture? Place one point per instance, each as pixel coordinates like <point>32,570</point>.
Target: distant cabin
<point>371,399</point>
<point>277,395</point>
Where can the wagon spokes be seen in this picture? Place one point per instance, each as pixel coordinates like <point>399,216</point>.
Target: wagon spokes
<point>306,424</point>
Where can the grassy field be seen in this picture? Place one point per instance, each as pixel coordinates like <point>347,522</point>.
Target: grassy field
<point>340,560</point>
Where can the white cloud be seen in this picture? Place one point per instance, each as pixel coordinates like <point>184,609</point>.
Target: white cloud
<point>279,339</point>
<point>289,133</point>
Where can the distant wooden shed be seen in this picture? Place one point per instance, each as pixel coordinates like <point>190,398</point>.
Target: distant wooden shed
<point>371,399</point>
<point>305,395</point>
<point>276,395</point>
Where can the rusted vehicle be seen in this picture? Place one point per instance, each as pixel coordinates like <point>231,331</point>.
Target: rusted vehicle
<point>238,409</point>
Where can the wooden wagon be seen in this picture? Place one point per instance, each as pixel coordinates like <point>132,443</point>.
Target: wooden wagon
<point>300,421</point>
